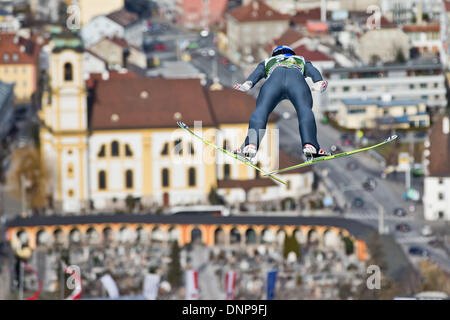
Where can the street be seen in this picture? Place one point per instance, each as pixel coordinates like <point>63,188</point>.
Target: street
<point>348,183</point>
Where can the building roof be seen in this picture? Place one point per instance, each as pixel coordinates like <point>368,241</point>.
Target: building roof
<point>435,27</point>
<point>245,184</point>
<point>145,103</point>
<point>257,11</point>
<point>120,42</point>
<point>311,55</point>
<point>159,103</point>
<point>447,5</point>
<point>17,50</point>
<point>356,228</point>
<point>232,106</point>
<point>380,103</point>
<point>289,37</point>
<point>303,16</point>
<point>439,165</point>
<point>123,17</point>
<point>286,160</point>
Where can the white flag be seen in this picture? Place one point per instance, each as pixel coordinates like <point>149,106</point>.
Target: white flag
<point>110,286</point>
<point>192,285</point>
<point>151,286</point>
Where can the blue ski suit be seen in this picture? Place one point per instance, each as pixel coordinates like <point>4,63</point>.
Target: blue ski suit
<point>285,76</point>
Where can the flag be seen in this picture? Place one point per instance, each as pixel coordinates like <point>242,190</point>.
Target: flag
<point>110,285</point>
<point>230,284</point>
<point>73,282</point>
<point>151,286</point>
<point>192,285</point>
<point>271,282</point>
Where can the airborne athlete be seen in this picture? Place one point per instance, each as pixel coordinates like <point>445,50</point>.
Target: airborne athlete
<point>285,75</point>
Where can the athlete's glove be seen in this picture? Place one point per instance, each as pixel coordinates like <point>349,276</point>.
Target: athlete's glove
<point>244,87</point>
<point>320,86</point>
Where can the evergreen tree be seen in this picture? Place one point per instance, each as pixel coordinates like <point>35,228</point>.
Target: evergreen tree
<point>291,244</point>
<point>175,274</point>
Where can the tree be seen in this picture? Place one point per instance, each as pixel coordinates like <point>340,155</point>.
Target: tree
<point>291,245</point>
<point>27,174</point>
<point>349,247</point>
<point>400,57</point>
<point>174,275</point>
<point>214,198</point>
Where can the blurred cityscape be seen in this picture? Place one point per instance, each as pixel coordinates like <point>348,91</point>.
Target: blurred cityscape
<point>102,196</point>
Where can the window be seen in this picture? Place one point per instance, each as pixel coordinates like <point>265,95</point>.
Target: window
<point>192,177</point>
<point>6,57</point>
<point>226,144</point>
<point>226,171</point>
<point>70,193</point>
<point>441,181</point>
<point>165,150</point>
<point>165,177</point>
<point>102,180</point>
<point>15,57</point>
<point>129,179</point>
<point>191,149</point>
<point>128,151</point>
<point>441,214</point>
<point>101,153</point>
<point>441,196</point>
<point>288,185</point>
<point>70,174</point>
<point>178,144</point>
<point>114,149</point>
<point>68,72</point>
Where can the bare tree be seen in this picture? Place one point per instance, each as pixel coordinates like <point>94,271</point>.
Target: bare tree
<point>26,177</point>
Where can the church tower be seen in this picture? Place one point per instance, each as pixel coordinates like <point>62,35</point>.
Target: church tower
<point>63,133</point>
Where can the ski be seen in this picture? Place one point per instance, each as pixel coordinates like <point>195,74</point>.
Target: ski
<point>333,156</point>
<point>242,159</point>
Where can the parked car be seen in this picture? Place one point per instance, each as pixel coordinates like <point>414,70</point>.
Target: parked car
<point>400,212</point>
<point>358,202</point>
<point>417,251</point>
<point>403,227</point>
<point>426,231</point>
<point>352,165</point>
<point>336,149</point>
<point>370,184</point>
<point>435,243</point>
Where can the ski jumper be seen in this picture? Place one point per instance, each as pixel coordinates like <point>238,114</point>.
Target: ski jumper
<point>285,79</point>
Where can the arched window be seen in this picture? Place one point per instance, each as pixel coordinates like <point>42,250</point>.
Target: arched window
<point>165,150</point>
<point>129,179</point>
<point>226,171</point>
<point>226,144</point>
<point>68,72</point>
<point>115,149</point>
<point>192,177</point>
<point>102,180</point>
<point>101,153</point>
<point>191,149</point>
<point>128,151</point>
<point>165,177</point>
<point>178,144</point>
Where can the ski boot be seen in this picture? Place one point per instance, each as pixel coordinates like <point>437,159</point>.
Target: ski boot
<point>248,152</point>
<point>311,152</point>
